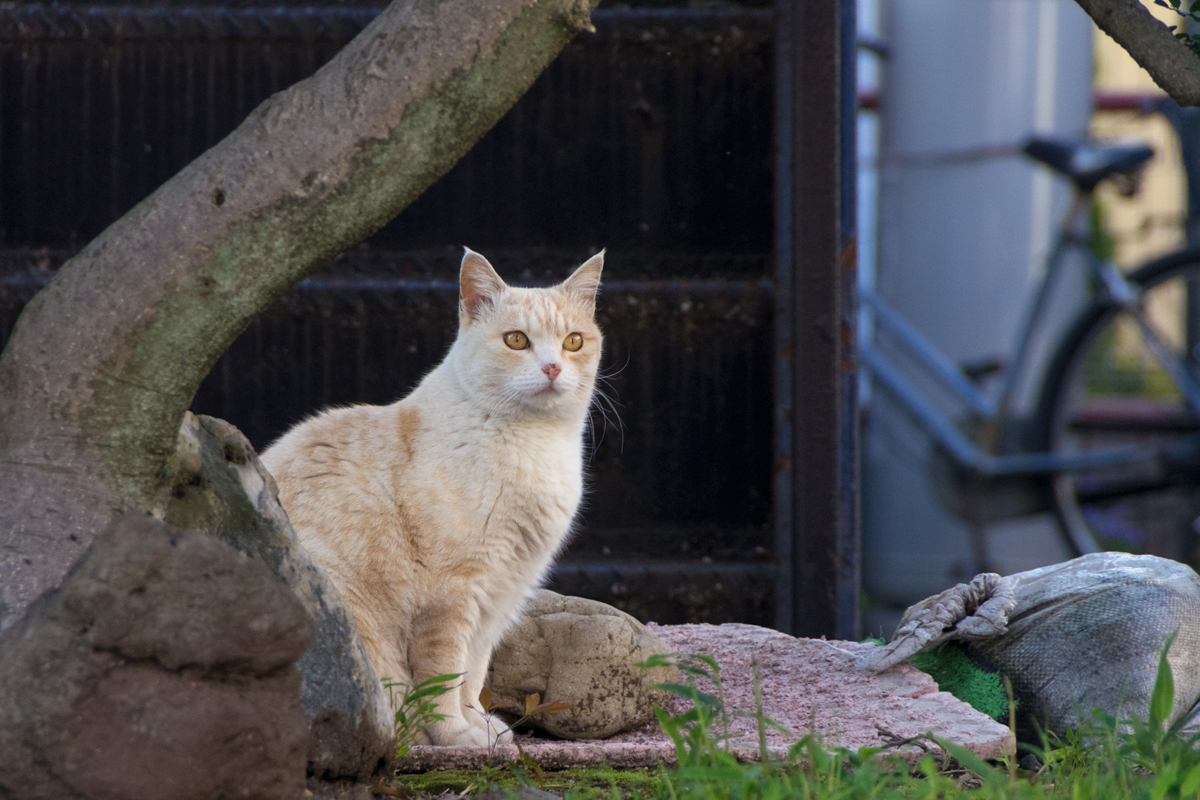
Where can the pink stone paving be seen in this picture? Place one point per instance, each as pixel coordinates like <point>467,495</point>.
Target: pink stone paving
<point>808,686</point>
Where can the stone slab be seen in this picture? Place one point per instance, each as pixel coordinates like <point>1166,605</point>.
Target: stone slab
<point>808,686</point>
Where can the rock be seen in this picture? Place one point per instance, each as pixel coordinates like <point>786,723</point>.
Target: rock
<point>807,685</point>
<point>221,486</point>
<point>815,686</point>
<point>581,652</point>
<point>162,667</point>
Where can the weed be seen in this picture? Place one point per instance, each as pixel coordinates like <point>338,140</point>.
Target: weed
<point>692,731</point>
<point>534,707</point>
<point>417,709</point>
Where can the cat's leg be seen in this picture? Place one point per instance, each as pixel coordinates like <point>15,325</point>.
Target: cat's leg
<point>439,646</point>
<point>478,657</point>
<point>391,666</point>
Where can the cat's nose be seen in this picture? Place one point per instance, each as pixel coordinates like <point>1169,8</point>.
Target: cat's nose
<point>551,370</point>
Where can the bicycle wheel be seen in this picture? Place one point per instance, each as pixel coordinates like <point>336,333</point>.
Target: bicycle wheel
<point>1105,387</point>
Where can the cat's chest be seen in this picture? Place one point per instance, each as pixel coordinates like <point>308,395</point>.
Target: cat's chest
<point>528,480</point>
<point>530,464</point>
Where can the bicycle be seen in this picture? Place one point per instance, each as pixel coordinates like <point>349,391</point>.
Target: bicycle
<point>1113,441</point>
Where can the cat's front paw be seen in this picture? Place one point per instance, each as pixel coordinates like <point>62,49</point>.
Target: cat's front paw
<point>457,732</point>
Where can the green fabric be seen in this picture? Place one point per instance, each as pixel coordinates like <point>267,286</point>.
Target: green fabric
<point>957,674</point>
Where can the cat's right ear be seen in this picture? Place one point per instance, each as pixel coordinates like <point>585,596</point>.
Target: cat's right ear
<point>585,282</point>
<point>478,285</point>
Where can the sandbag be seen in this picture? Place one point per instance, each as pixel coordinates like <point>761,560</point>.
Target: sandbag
<point>1071,637</point>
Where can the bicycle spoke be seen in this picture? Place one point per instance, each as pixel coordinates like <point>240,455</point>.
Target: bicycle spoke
<point>1119,379</point>
<point>1176,368</point>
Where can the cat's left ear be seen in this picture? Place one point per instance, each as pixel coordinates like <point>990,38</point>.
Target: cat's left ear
<point>478,284</point>
<point>585,282</point>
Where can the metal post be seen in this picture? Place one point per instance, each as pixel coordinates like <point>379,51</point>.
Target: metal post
<point>817,476</point>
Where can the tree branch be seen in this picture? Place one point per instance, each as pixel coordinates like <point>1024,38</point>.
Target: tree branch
<point>103,363</point>
<point>1174,67</point>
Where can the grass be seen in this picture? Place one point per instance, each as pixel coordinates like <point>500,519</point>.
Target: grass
<point>593,783</point>
<point>417,708</point>
<point>1103,759</point>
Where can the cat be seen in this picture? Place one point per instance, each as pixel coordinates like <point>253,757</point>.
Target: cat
<point>438,515</point>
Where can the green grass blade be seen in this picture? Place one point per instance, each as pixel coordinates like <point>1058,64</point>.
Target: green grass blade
<point>992,778</point>
<point>1191,782</point>
<point>689,693</point>
<point>1163,697</point>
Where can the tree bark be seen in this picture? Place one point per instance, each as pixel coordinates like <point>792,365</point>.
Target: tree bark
<point>1174,67</point>
<point>105,360</point>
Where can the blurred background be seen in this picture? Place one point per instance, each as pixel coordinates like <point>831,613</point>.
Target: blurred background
<point>957,225</point>
<point>655,137</point>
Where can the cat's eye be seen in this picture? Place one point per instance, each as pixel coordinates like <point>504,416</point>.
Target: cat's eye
<point>573,342</point>
<point>516,340</point>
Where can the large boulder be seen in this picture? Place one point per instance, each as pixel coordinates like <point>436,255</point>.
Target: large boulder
<point>221,486</point>
<point>162,667</point>
<point>581,652</point>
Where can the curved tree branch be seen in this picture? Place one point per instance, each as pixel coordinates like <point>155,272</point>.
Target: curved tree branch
<point>1174,67</point>
<point>103,363</point>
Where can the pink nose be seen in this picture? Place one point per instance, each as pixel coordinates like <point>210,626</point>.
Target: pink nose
<point>551,370</point>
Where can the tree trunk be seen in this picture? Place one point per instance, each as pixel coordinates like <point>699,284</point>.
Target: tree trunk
<point>105,360</point>
<point>1174,67</point>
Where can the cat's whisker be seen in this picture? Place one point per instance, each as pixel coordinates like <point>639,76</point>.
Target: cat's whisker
<point>591,426</point>
<point>591,436</point>
<point>603,400</point>
<point>602,375</point>
<point>613,404</point>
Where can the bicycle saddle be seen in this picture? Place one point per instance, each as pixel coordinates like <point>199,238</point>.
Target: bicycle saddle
<point>1087,162</point>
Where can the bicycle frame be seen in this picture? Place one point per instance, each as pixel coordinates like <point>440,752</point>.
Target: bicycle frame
<point>1073,235</point>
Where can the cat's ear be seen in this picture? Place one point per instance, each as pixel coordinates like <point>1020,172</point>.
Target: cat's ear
<point>478,284</point>
<point>585,282</point>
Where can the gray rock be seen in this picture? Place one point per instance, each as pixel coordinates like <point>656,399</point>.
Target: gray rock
<point>162,667</point>
<point>221,486</point>
<point>581,652</point>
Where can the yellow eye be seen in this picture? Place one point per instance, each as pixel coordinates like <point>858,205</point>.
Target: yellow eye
<point>573,342</point>
<point>516,340</point>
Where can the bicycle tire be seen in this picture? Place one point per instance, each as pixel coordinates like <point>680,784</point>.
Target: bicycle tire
<point>1120,397</point>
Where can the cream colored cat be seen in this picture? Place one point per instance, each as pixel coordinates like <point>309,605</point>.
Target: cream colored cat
<point>438,515</point>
